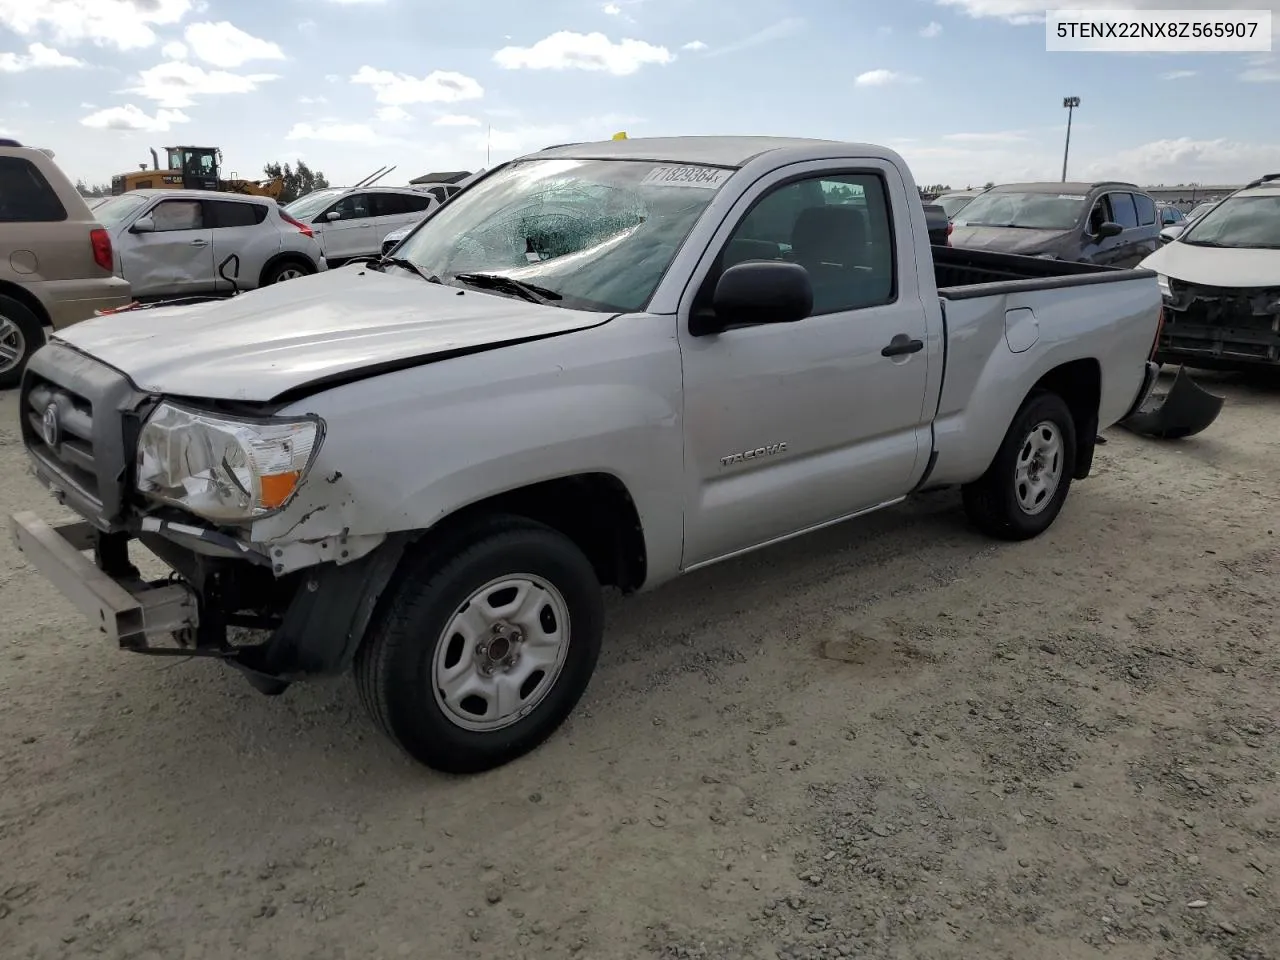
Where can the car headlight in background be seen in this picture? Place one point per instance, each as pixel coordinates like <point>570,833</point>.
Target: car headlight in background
<point>225,469</point>
<point>1163,282</point>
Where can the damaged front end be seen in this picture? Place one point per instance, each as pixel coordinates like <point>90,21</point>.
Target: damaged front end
<point>1228,328</point>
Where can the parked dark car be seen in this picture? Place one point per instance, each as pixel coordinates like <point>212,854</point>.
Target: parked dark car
<point>1170,215</point>
<point>939,225</point>
<point>955,201</point>
<point>1109,223</point>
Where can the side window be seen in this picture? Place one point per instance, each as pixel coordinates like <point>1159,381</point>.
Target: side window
<point>395,204</point>
<point>837,227</point>
<point>171,215</point>
<point>354,206</point>
<point>25,195</point>
<point>1146,209</point>
<point>1123,209</point>
<point>438,193</point>
<point>230,213</point>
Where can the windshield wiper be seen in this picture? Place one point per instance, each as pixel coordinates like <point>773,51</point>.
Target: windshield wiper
<point>411,266</point>
<point>1204,243</point>
<point>497,281</point>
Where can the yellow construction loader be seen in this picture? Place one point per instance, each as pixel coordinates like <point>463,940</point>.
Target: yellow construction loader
<point>192,168</point>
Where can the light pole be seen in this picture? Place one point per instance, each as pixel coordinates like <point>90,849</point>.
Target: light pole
<point>1070,103</point>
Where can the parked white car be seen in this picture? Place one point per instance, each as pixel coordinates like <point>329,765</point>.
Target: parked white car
<point>352,222</point>
<point>170,242</point>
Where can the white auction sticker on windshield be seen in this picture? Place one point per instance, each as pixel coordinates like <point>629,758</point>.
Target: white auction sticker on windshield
<point>1070,196</point>
<point>684,175</point>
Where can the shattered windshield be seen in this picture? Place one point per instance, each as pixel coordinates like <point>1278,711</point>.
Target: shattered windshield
<point>1239,222</point>
<point>1033,211</point>
<point>598,234</point>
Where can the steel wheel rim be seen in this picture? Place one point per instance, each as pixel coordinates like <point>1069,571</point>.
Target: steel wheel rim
<point>501,653</point>
<point>288,273</point>
<point>1038,470</point>
<point>12,344</point>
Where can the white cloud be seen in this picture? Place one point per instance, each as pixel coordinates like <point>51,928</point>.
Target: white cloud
<point>123,24</point>
<point>1177,74</point>
<point>225,45</point>
<point>612,9</point>
<point>931,30</point>
<point>176,84</point>
<point>439,86</point>
<point>37,57</point>
<point>784,28</point>
<point>881,78</point>
<point>393,114</point>
<point>566,50</point>
<point>456,120</point>
<point>307,28</point>
<point>174,50</point>
<point>130,117</point>
<point>1184,160</point>
<point>1261,70</point>
<point>338,132</point>
<point>694,46</point>
<point>312,100</point>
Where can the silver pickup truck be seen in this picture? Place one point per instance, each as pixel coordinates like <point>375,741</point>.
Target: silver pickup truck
<point>602,364</point>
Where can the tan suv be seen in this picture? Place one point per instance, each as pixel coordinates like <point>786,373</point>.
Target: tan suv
<point>56,262</point>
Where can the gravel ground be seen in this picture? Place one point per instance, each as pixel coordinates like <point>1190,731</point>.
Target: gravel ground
<point>894,739</point>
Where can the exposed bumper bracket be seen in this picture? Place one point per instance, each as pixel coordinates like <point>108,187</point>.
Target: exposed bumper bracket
<point>126,611</point>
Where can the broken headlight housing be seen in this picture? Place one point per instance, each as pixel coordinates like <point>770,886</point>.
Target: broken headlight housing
<point>224,469</point>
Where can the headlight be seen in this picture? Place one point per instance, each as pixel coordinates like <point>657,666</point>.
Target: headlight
<point>1163,283</point>
<point>224,469</point>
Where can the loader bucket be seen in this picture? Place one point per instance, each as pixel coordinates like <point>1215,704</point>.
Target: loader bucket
<point>1182,412</point>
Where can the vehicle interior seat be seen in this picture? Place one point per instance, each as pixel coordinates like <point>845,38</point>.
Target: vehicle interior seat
<point>831,243</point>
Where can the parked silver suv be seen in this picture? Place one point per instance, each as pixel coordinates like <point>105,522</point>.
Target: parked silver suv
<point>170,242</point>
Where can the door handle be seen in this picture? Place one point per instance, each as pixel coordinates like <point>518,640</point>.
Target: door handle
<point>902,345</point>
<point>199,243</point>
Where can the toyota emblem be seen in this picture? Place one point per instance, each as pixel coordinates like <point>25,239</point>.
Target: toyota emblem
<point>50,429</point>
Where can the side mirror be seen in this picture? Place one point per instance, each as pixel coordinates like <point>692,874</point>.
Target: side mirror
<point>1169,234</point>
<point>144,224</point>
<point>1109,229</point>
<point>333,215</point>
<point>760,292</point>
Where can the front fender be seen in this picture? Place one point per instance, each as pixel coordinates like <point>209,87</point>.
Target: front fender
<point>404,450</point>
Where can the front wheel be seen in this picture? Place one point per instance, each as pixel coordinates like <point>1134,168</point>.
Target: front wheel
<point>1023,490</point>
<point>480,655</point>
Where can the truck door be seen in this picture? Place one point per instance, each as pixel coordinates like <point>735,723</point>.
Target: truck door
<point>172,258</point>
<point>792,426</point>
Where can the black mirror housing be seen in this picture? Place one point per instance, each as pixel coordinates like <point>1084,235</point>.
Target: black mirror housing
<point>762,291</point>
<point>1109,229</point>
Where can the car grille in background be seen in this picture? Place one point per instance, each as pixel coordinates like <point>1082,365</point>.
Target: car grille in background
<point>1222,322</point>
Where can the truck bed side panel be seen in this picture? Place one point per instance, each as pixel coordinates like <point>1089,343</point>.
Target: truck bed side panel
<point>471,427</point>
<point>986,381</point>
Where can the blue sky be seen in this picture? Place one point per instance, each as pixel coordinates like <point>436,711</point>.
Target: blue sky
<point>963,88</point>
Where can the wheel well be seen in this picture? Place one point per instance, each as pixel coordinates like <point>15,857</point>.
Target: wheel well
<point>27,299</point>
<point>594,510</point>
<point>280,258</point>
<point>1079,384</point>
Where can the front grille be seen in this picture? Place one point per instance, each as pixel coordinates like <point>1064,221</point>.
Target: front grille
<point>84,451</point>
<point>1222,323</point>
<point>72,449</point>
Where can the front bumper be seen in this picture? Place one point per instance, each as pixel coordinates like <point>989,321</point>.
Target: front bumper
<point>128,610</point>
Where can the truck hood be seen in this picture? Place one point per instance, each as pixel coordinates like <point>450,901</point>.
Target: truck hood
<point>1006,239</point>
<point>1216,266</point>
<point>324,328</point>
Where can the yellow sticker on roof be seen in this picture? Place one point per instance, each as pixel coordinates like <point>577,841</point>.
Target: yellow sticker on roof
<point>686,175</point>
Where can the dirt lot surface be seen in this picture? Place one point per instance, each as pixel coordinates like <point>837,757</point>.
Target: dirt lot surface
<point>892,739</point>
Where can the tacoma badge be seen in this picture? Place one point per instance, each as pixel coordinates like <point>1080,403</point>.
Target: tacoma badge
<point>755,454</point>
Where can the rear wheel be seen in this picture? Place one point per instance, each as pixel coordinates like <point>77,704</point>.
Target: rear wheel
<point>1023,490</point>
<point>481,653</point>
<point>21,334</point>
<point>287,270</point>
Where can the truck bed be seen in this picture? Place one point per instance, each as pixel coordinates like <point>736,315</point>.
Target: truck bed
<point>962,274</point>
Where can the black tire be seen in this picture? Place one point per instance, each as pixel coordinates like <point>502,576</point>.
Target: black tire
<point>25,333</point>
<point>992,501</point>
<point>286,270</point>
<point>395,663</point>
